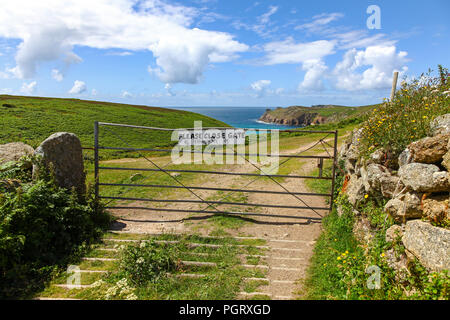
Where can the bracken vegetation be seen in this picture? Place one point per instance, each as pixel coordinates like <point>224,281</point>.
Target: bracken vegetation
<point>42,227</point>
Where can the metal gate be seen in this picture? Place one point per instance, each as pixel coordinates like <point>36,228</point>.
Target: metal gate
<point>213,207</point>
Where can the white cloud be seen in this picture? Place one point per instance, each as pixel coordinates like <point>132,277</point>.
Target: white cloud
<point>120,53</point>
<point>380,63</point>
<point>361,39</point>
<point>260,87</point>
<point>94,92</point>
<point>78,87</point>
<point>319,22</point>
<point>288,51</point>
<point>265,18</point>
<point>264,27</point>
<point>315,70</point>
<point>126,95</point>
<point>50,29</point>
<point>28,88</point>
<point>168,87</point>
<point>57,75</point>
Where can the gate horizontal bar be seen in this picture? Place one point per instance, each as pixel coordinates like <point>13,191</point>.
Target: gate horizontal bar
<point>217,202</point>
<point>209,188</point>
<point>179,129</point>
<point>218,172</point>
<point>218,212</point>
<point>222,153</point>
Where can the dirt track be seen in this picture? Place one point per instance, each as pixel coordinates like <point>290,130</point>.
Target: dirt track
<point>291,241</point>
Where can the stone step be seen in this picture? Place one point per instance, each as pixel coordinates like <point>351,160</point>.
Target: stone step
<point>270,280</point>
<point>186,263</point>
<point>274,297</point>
<point>276,268</point>
<point>192,245</point>
<point>297,241</point>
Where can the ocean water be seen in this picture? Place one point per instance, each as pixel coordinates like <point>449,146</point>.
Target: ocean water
<point>238,117</point>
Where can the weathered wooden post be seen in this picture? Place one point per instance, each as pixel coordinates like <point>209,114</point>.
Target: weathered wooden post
<point>394,85</point>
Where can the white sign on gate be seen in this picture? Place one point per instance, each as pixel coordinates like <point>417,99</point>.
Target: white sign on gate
<point>211,137</point>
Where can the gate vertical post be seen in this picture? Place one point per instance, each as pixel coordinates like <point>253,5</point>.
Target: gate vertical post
<point>334,169</point>
<point>96,178</point>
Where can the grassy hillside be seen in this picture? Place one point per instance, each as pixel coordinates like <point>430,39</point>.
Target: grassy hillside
<point>315,114</point>
<point>32,119</point>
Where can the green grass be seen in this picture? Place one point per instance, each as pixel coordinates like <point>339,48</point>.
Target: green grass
<point>33,119</point>
<point>332,113</point>
<point>221,282</point>
<point>324,275</point>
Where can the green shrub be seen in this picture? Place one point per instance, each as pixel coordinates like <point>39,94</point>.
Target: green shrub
<point>147,262</point>
<point>41,226</point>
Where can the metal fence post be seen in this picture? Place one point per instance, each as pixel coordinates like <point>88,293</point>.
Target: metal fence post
<point>96,163</point>
<point>334,170</point>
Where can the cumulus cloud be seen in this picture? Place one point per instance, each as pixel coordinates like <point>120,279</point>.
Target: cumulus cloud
<point>315,70</point>
<point>28,88</point>
<point>288,51</point>
<point>380,63</point>
<point>78,87</point>
<point>51,29</point>
<point>94,92</point>
<point>57,75</point>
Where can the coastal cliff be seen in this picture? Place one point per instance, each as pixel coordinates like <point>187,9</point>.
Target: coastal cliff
<point>304,116</point>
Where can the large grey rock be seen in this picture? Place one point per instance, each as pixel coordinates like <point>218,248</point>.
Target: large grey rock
<point>422,177</point>
<point>371,177</point>
<point>406,206</point>
<point>355,189</point>
<point>429,149</point>
<point>63,151</point>
<point>440,125</point>
<point>391,186</point>
<point>378,179</point>
<point>14,151</point>
<point>429,244</point>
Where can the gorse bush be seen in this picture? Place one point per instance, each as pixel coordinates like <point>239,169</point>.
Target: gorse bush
<point>41,225</point>
<point>394,125</point>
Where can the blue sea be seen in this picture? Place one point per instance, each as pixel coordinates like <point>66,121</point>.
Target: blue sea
<point>238,117</point>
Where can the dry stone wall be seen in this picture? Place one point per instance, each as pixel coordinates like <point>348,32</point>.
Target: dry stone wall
<point>417,189</point>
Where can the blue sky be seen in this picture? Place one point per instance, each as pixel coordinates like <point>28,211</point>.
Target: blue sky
<point>218,53</point>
